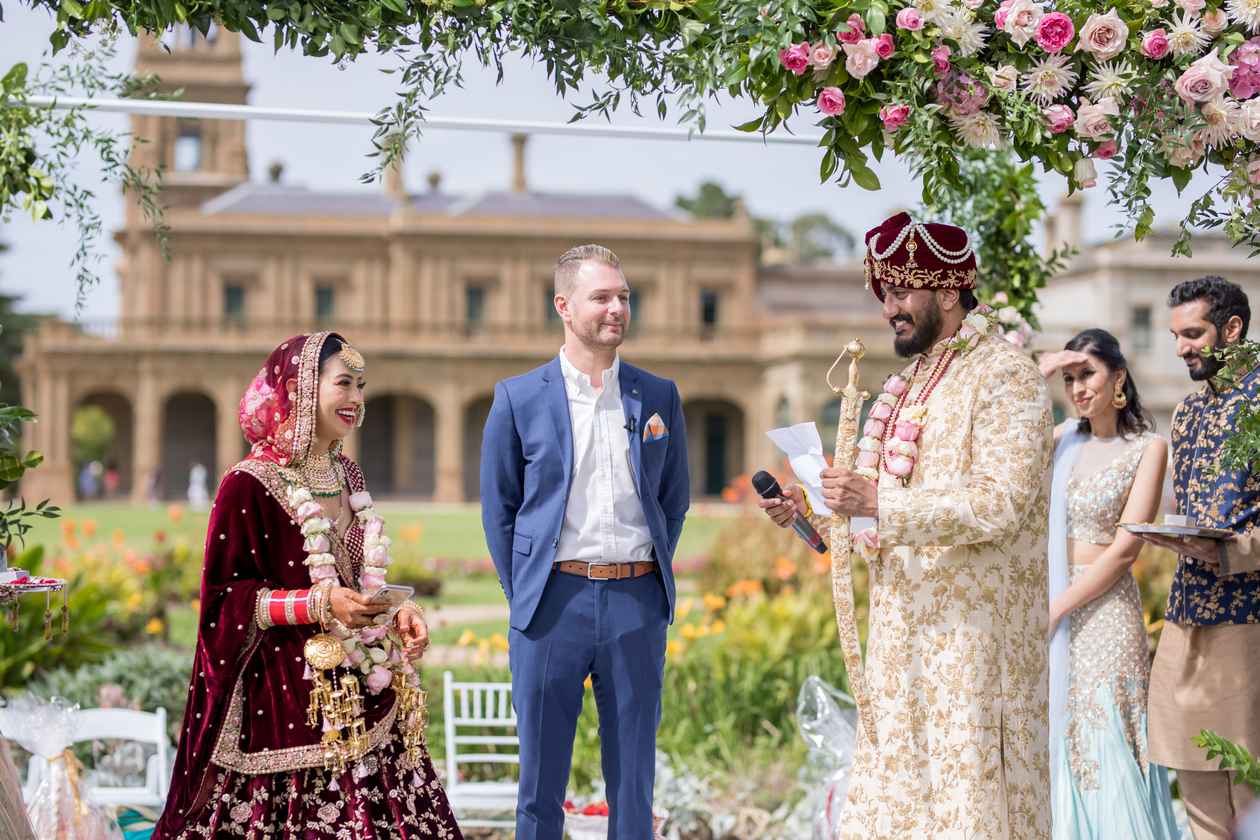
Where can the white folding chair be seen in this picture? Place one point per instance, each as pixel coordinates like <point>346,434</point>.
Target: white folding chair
<point>479,706</point>
<point>119,725</point>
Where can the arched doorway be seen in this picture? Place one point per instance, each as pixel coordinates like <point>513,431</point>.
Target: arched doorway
<point>396,446</point>
<point>102,432</point>
<point>474,424</point>
<point>188,440</point>
<point>715,444</point>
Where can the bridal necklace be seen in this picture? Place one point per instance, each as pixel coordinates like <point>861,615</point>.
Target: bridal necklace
<point>318,474</point>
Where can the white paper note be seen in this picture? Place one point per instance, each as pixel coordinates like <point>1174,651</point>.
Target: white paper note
<point>803,448</point>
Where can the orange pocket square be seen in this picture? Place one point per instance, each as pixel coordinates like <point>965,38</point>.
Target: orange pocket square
<point>655,429</point>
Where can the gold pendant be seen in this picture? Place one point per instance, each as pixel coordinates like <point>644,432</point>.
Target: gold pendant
<point>324,652</point>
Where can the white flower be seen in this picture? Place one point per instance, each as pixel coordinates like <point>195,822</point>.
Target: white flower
<point>980,129</point>
<point>315,525</point>
<point>1249,120</point>
<point>1085,173</point>
<point>1245,13</point>
<point>297,495</point>
<point>931,10</point>
<point>1004,78</point>
<point>1186,36</point>
<point>1009,315</point>
<point>1222,117</point>
<point>1021,21</point>
<point>960,26</point>
<point>1050,78</point>
<point>1111,78</point>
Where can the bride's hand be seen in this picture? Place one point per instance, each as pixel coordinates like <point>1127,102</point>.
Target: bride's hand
<point>415,633</point>
<point>352,608</point>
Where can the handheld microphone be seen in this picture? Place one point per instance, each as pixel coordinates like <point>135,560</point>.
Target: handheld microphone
<point>767,487</point>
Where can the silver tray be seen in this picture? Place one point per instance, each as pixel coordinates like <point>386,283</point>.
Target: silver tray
<point>1177,530</point>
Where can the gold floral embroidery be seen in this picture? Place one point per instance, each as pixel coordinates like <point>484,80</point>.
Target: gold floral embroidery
<point>228,752</point>
<point>919,278</point>
<point>956,657</point>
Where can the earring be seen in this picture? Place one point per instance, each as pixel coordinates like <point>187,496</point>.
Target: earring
<point>358,422</point>
<point>1119,400</point>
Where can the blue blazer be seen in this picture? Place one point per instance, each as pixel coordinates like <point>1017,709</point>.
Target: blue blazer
<point>527,471</point>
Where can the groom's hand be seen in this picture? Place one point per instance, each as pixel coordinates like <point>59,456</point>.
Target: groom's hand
<point>848,494</point>
<point>783,510</point>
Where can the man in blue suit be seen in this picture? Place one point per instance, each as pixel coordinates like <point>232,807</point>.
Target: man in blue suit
<point>584,487</point>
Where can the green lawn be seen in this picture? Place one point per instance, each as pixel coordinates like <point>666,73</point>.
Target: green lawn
<point>444,532</point>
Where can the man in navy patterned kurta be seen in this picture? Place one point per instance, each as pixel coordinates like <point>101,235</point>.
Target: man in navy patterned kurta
<point>1206,673</point>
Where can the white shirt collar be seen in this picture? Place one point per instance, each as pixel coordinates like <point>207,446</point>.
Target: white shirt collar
<point>578,379</point>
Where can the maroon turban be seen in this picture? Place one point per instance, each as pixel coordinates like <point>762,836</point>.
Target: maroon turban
<point>912,255</point>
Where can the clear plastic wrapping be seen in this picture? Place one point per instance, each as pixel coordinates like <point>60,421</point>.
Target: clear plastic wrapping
<point>828,719</point>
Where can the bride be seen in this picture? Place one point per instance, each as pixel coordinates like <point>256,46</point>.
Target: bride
<point>305,717</point>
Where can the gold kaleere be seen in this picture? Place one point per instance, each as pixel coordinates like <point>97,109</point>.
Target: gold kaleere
<point>413,711</point>
<point>851,401</point>
<point>336,704</point>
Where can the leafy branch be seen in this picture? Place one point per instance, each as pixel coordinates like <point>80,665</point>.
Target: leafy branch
<point>1235,759</point>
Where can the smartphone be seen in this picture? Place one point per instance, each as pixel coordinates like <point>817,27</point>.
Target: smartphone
<point>392,595</point>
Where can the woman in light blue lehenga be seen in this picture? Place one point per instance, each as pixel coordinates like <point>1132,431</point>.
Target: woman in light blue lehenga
<point>1108,468</point>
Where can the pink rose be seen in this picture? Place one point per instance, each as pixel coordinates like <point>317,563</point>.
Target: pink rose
<point>1093,120</point>
<point>1085,173</point>
<point>360,500</point>
<point>960,94</point>
<point>867,459</point>
<point>873,428</point>
<point>356,656</point>
<point>900,466</point>
<point>1253,170</point>
<point>1059,118</point>
<point>1249,120</point>
<point>1015,338</point>
<point>940,60</point>
<point>1000,16</point>
<point>795,58</point>
<point>323,573</point>
<point>881,411</point>
<point>908,431</point>
<point>377,556</point>
<point>1205,79</point>
<point>894,117</point>
<point>1155,44</point>
<point>1003,78</point>
<point>969,336</point>
<point>904,448</point>
<point>306,510</point>
<point>1192,7</point>
<point>373,528</point>
<point>1021,20</point>
<point>318,544</point>
<point>861,58</point>
<point>896,385</point>
<point>1106,150</point>
<point>831,101</point>
<point>1054,32</point>
<point>822,55</point>
<point>884,46</point>
<point>372,581</point>
<point>857,30</point>
<point>1215,21</point>
<point>370,635</point>
<point>1103,36</point>
<point>909,19</point>
<point>379,679</point>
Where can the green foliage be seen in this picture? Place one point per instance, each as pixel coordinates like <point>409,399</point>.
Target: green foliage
<point>14,326</point>
<point>147,677</point>
<point>91,434</point>
<point>1241,451</point>
<point>711,201</point>
<point>24,651</point>
<point>997,203</point>
<point>1242,764</point>
<point>16,519</point>
<point>40,147</point>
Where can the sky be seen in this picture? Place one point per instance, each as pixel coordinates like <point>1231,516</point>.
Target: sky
<point>775,181</point>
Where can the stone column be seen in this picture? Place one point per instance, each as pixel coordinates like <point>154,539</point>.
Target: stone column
<point>449,411</point>
<point>147,454</point>
<point>228,437</point>
<point>53,479</point>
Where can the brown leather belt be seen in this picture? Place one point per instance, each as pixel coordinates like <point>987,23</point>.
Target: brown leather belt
<point>605,571</point>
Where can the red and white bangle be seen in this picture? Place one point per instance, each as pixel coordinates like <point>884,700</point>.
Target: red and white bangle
<point>285,607</point>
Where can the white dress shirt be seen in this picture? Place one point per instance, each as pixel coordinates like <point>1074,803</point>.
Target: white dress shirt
<point>603,520</point>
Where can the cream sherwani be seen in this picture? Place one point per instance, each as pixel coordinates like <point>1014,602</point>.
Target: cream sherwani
<point>957,652</point>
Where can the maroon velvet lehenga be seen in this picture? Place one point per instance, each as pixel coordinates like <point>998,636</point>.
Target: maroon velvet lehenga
<point>248,764</point>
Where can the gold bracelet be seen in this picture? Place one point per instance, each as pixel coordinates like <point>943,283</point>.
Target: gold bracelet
<point>325,603</point>
<point>262,615</point>
<point>809,509</point>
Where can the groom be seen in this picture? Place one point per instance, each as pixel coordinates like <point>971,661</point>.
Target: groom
<point>584,487</point>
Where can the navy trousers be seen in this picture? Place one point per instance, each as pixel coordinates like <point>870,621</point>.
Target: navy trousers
<point>614,631</point>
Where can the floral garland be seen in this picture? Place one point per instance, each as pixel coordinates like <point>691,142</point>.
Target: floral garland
<point>371,650</point>
<point>893,428</point>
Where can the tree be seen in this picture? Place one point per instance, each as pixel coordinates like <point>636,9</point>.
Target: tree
<point>710,202</point>
<point>816,236</point>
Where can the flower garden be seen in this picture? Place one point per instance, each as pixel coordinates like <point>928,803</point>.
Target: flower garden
<point>754,620</point>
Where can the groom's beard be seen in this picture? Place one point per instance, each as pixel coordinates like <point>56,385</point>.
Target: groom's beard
<point>927,326</point>
<point>1206,368</point>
